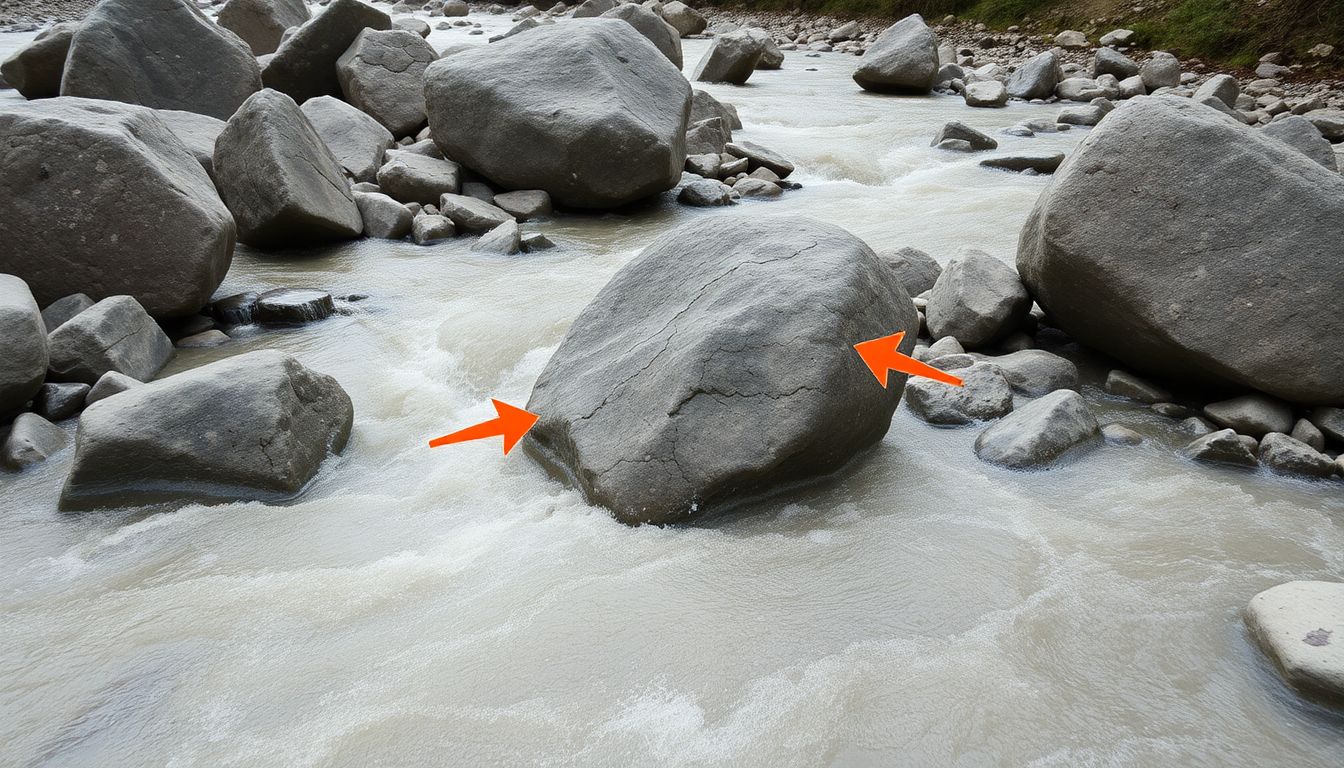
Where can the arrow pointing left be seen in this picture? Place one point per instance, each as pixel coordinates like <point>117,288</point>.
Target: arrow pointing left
<point>881,357</point>
<point>511,424</point>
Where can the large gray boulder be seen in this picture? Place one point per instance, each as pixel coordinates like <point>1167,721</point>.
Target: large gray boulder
<point>35,69</point>
<point>198,134</point>
<point>261,23</point>
<point>1037,78</point>
<point>23,345</point>
<point>977,299</point>
<point>1206,304</point>
<point>116,334</point>
<point>683,18</point>
<point>160,53</point>
<point>1039,432</point>
<point>1162,70</point>
<point>383,73</point>
<point>278,178</point>
<point>1299,133</point>
<point>705,106</point>
<point>730,59</point>
<point>103,199</point>
<point>588,111</point>
<point>304,65</point>
<point>717,365</point>
<point>649,24</point>
<point>903,59</point>
<point>1109,61</point>
<point>255,426</point>
<point>356,140</point>
<point>1300,627</point>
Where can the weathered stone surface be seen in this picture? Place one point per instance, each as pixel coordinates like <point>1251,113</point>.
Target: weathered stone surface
<point>985,93</point>
<point>1035,79</point>
<point>771,55</point>
<point>1253,415</point>
<point>35,70</point>
<point>592,8</point>
<point>984,395</point>
<point>705,193</point>
<point>1225,88</point>
<point>503,240</point>
<point>1109,61</point>
<point>109,384</point>
<point>261,23</point>
<point>1300,626</point>
<point>708,136</point>
<point>1035,372</point>
<point>469,214</point>
<point>102,198</point>
<point>383,217</point>
<point>1118,434</point>
<point>705,106</point>
<point>525,204</point>
<point>294,305</point>
<point>58,401</point>
<point>197,132</point>
<point>903,59</point>
<point>432,228</point>
<point>1330,421</point>
<point>1309,434</point>
<point>204,339</point>
<point>1162,70</point>
<point>588,111</point>
<point>730,59</point>
<point>679,391</point>
<point>1290,456</point>
<point>116,334</point>
<point>1039,162</point>
<point>63,309</point>
<point>1039,432</point>
<point>978,299</point>
<point>279,179</point>
<point>305,64</point>
<point>1301,134</point>
<point>31,439</point>
<point>649,24</point>
<point>383,74</point>
<point>355,139</point>
<point>160,53</point>
<point>1128,278</point>
<point>916,270</point>
<point>414,178</point>
<point>255,426</point>
<point>23,345</point>
<point>1222,447</point>
<point>760,157</point>
<point>686,20</point>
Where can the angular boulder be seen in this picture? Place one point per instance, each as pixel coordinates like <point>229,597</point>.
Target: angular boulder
<point>678,392</point>
<point>977,299</point>
<point>1289,456</point>
<point>986,93</point>
<point>903,59</point>
<point>160,53</point>
<point>23,345</point>
<point>1300,627</point>
<point>255,426</point>
<point>683,18</point>
<point>35,70</point>
<point>916,270</point>
<point>1036,79</point>
<point>357,141</point>
<point>304,66</point>
<point>262,23</point>
<point>103,199</point>
<point>1254,415</point>
<point>31,439</point>
<point>384,217</point>
<point>383,74</point>
<point>649,24</point>
<point>1299,133</point>
<point>1109,61</point>
<point>1222,447</point>
<point>983,395</point>
<point>588,111</point>
<point>64,308</point>
<point>731,59</point>
<point>1208,304</point>
<point>277,176</point>
<point>116,334</point>
<point>413,178</point>
<point>1039,432</point>
<point>198,134</point>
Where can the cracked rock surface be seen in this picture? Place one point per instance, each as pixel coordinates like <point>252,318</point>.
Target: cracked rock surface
<point>254,426</point>
<point>719,365</point>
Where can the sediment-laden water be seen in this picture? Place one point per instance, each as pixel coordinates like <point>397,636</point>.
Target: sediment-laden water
<point>455,607</point>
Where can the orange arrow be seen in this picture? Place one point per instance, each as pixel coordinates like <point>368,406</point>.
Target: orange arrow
<point>881,356</point>
<point>512,423</point>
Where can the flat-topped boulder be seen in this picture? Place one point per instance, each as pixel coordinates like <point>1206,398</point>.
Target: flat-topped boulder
<point>1300,627</point>
<point>588,111</point>
<point>678,392</point>
<point>255,426</point>
<point>279,179</point>
<point>160,53</point>
<point>304,66</point>
<point>102,198</point>
<point>1207,304</point>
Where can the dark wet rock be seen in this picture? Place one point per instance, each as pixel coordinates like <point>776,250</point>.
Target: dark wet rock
<point>959,130</point>
<point>903,59</point>
<point>109,384</point>
<point>1039,432</point>
<point>356,140</point>
<point>31,439</point>
<point>64,308</point>
<point>1290,456</point>
<point>138,214</point>
<point>1035,372</point>
<point>1221,447</point>
<point>282,183</point>
<point>536,241</point>
<point>305,64</point>
<point>254,426</point>
<point>916,270</point>
<point>1126,384</point>
<point>60,401</point>
<point>1170,410</point>
<point>1039,162</point>
<point>237,309</point>
<point>383,74</point>
<point>978,299</point>
<point>1253,415</point>
<point>984,395</point>
<point>116,334</point>
<point>414,178</point>
<point>588,111</point>
<point>160,53</point>
<point>35,70</point>
<point>677,393</point>
<point>294,305</point>
<point>23,345</point>
<point>261,23</point>
<point>1194,425</point>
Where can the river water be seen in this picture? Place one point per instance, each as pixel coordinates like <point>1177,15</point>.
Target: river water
<point>456,607</point>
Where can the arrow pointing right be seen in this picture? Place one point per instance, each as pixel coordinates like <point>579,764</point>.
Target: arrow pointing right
<point>881,357</point>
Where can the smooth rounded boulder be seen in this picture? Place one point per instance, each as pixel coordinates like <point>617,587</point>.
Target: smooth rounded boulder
<point>718,365</point>
<point>104,199</point>
<point>588,111</point>
<point>160,53</point>
<point>262,23</point>
<point>1250,297</point>
<point>1037,78</point>
<point>255,426</point>
<point>35,70</point>
<point>383,74</point>
<point>279,179</point>
<point>903,59</point>
<point>23,345</point>
<point>304,66</point>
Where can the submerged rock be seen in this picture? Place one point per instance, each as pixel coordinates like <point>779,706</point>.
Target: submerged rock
<point>679,391</point>
<point>1222,447</point>
<point>1133,280</point>
<point>588,111</point>
<point>1300,626</point>
<point>1039,162</point>
<point>903,59</point>
<point>255,426</point>
<point>294,305</point>
<point>1038,432</point>
<point>116,334</point>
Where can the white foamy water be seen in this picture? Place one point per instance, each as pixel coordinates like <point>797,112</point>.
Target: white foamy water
<point>455,607</point>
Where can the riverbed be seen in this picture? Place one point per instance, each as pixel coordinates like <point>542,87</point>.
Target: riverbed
<point>458,607</point>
